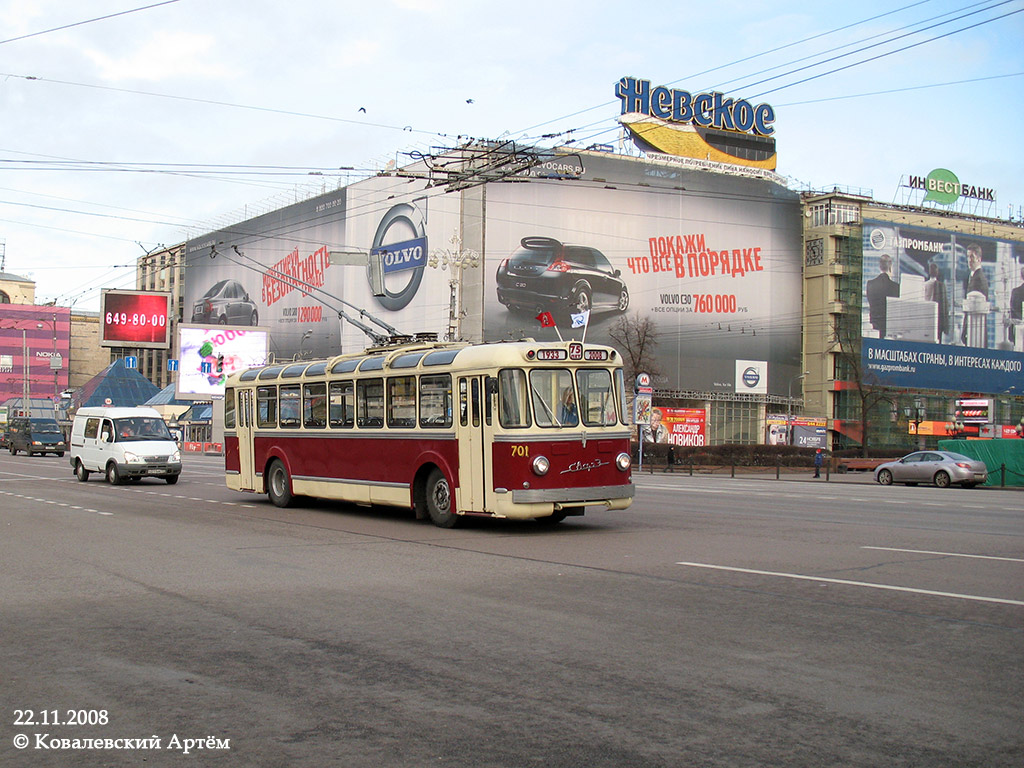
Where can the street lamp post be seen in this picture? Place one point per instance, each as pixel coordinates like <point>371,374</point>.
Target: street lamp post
<point>916,415</point>
<point>26,405</point>
<point>789,405</point>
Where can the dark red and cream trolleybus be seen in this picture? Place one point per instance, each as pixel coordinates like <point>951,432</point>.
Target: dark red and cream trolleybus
<point>518,430</point>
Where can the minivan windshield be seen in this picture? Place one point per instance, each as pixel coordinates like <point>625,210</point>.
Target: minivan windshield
<point>140,428</point>
<point>41,426</point>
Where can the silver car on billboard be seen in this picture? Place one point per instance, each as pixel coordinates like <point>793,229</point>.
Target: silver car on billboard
<point>943,468</point>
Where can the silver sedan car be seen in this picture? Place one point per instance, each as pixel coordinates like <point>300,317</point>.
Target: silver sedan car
<point>943,468</point>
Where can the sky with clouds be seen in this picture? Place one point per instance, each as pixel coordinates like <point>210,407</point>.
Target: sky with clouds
<point>128,125</point>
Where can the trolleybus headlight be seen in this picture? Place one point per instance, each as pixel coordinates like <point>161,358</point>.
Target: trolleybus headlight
<point>622,461</point>
<point>541,465</point>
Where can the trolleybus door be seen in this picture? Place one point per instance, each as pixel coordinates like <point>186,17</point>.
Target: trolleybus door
<point>244,428</point>
<point>475,425</point>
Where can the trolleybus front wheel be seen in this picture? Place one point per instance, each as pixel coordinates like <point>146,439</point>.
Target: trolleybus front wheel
<point>279,485</point>
<point>439,500</point>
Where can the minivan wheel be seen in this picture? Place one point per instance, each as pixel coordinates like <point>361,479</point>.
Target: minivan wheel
<point>113,474</point>
<point>81,472</point>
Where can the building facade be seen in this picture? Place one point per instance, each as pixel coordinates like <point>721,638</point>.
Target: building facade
<point>908,313</point>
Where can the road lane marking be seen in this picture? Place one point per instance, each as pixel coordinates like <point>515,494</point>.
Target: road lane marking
<point>947,554</point>
<point>844,582</point>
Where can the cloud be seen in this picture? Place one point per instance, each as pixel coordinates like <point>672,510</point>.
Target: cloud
<point>163,56</point>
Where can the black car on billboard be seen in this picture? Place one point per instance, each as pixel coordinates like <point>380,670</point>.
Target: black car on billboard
<point>226,303</point>
<point>545,273</point>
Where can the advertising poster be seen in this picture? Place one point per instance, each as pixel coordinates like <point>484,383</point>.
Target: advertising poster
<point>942,310</point>
<point>712,261</point>
<point>680,426</point>
<point>715,268</point>
<point>208,355</point>
<point>35,344</point>
<point>808,432</point>
<point>276,270</point>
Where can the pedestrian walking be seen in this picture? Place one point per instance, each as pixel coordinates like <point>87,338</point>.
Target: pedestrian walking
<point>819,459</point>
<point>670,459</point>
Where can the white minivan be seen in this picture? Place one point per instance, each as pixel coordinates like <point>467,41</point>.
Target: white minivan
<point>123,444</point>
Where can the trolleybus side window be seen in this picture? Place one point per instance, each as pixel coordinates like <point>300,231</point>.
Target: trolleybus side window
<point>436,401</point>
<point>289,405</point>
<point>476,402</point>
<point>314,405</point>
<point>370,403</point>
<point>343,404</point>
<point>266,406</point>
<point>554,399</point>
<point>463,402</point>
<point>229,409</point>
<point>597,398</point>
<point>402,401</point>
<point>513,399</point>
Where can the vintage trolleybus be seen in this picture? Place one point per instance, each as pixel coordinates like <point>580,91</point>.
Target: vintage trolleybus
<point>511,430</point>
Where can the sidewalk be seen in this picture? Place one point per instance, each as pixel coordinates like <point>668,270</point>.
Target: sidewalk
<point>782,474</point>
<point>791,474</point>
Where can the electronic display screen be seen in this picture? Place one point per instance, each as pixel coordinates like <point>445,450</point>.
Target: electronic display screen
<point>135,319</point>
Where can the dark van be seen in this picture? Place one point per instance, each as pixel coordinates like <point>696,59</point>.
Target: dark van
<point>35,436</point>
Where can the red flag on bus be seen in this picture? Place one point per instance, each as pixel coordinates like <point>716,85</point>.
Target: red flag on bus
<point>546,320</point>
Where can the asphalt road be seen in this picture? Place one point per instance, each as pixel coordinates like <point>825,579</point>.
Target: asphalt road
<point>718,622</point>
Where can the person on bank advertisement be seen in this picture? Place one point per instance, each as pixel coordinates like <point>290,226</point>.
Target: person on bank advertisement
<point>879,289</point>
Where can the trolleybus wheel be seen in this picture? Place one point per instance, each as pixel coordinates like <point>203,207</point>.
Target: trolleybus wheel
<point>439,500</point>
<point>279,485</point>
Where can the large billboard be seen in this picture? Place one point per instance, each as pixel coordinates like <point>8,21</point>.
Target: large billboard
<point>942,310</point>
<point>35,342</point>
<point>277,270</point>
<point>711,260</point>
<point>207,355</point>
<point>135,319</point>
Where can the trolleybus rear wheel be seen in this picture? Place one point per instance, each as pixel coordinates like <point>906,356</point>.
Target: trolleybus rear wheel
<point>279,485</point>
<point>439,500</point>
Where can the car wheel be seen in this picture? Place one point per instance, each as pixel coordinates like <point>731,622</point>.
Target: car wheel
<point>279,485</point>
<point>113,474</point>
<point>885,477</point>
<point>255,318</point>
<point>14,451</point>
<point>968,485</point>
<point>942,479</point>
<point>171,479</point>
<point>81,472</point>
<point>623,300</point>
<point>439,500</point>
<point>60,454</point>
<point>580,301</point>
<point>223,320</point>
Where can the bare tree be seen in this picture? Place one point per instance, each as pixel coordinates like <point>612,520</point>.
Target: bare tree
<point>870,392</point>
<point>637,339</point>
